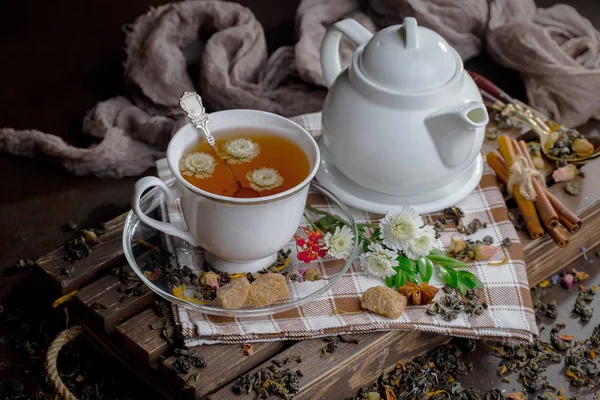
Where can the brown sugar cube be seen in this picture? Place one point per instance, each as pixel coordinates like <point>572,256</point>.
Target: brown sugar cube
<point>385,301</point>
<point>267,289</point>
<point>234,294</point>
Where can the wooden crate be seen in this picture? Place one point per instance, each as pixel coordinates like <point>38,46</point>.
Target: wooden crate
<point>123,329</point>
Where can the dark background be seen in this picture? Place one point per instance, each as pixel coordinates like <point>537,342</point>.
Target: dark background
<point>59,58</point>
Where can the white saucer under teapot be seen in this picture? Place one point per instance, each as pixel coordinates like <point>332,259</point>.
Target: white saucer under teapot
<point>403,124</point>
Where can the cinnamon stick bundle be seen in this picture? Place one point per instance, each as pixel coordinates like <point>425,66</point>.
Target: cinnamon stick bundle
<point>566,217</point>
<point>548,214</point>
<point>496,162</point>
<point>530,216</point>
<point>560,237</point>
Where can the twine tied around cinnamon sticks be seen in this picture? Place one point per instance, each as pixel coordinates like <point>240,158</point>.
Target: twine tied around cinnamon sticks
<point>513,166</point>
<point>523,175</point>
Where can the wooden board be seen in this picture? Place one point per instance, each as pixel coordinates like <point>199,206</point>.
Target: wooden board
<point>123,330</point>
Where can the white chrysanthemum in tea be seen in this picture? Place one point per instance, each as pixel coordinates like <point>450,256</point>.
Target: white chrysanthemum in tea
<point>239,151</point>
<point>264,179</point>
<point>199,165</point>
<point>340,242</point>
<point>423,243</point>
<point>378,261</point>
<point>399,229</point>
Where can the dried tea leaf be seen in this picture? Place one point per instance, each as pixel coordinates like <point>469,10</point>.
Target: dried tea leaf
<point>99,306</point>
<point>158,324</point>
<point>572,188</point>
<point>192,379</point>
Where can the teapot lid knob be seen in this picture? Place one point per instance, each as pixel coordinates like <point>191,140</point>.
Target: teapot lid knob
<point>410,32</point>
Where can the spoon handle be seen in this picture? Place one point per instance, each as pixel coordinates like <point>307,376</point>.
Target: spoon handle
<point>191,104</point>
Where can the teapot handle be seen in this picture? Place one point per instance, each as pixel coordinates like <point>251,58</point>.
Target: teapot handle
<point>330,47</point>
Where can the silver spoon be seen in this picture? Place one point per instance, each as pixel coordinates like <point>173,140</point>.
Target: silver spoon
<point>191,103</point>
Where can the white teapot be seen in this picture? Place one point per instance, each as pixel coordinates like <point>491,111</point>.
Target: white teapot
<point>404,123</point>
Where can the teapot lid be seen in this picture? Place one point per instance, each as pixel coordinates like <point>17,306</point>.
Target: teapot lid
<point>408,58</point>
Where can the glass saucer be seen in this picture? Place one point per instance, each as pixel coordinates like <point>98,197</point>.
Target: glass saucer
<point>142,244</point>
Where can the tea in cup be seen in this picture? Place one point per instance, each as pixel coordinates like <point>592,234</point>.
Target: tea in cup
<point>274,156</point>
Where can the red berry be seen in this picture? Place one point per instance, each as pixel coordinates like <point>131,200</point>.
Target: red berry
<point>315,247</point>
<point>300,242</point>
<point>322,253</point>
<point>319,234</point>
<point>302,256</point>
<point>312,237</point>
<point>312,256</point>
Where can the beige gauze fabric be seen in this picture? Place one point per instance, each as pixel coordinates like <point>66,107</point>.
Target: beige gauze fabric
<point>556,50</point>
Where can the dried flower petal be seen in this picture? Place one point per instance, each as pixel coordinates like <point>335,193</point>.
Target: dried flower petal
<point>564,174</point>
<point>582,147</point>
<point>483,252</point>
<point>456,245</point>
<point>580,275</point>
<point>248,349</point>
<point>567,281</point>
<point>64,299</point>
<point>210,279</point>
<point>516,396</point>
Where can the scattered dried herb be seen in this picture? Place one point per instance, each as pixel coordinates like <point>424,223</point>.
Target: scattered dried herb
<point>583,366</point>
<point>582,307</point>
<point>334,341</point>
<point>68,270</point>
<point>516,218</point>
<point>573,187</point>
<point>431,376</point>
<point>277,378</point>
<point>192,379</point>
<point>168,332</point>
<point>161,308</point>
<point>448,306</point>
<point>158,324</point>
<point>506,242</point>
<point>99,306</point>
<point>186,361</point>
<point>438,226</point>
<point>473,227</point>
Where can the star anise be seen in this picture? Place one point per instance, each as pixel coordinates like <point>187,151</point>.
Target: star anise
<point>418,294</point>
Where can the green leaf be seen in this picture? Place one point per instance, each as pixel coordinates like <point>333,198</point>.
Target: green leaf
<point>376,233</point>
<point>449,276</point>
<point>400,279</point>
<point>462,288</point>
<point>425,267</point>
<point>416,278</point>
<point>472,278</point>
<point>389,281</point>
<point>365,246</point>
<point>445,260</point>
<point>328,222</point>
<point>407,265</point>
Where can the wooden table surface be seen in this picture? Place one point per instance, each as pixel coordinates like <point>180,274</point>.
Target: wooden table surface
<point>59,59</point>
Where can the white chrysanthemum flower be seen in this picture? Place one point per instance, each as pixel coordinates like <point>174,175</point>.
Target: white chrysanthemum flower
<point>340,242</point>
<point>264,179</point>
<point>200,165</point>
<point>423,244</point>
<point>399,229</point>
<point>379,261</point>
<point>239,151</point>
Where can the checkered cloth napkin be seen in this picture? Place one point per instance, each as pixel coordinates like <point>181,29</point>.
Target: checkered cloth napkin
<point>510,314</point>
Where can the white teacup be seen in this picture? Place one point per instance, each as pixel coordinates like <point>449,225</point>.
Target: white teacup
<point>238,234</point>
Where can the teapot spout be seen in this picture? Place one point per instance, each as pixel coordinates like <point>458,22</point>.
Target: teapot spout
<point>454,131</point>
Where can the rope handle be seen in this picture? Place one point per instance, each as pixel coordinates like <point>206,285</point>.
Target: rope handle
<point>63,338</point>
